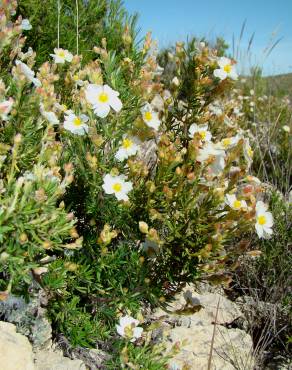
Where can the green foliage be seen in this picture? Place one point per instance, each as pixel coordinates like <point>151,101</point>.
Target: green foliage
<point>96,20</point>
<point>267,280</point>
<point>146,357</point>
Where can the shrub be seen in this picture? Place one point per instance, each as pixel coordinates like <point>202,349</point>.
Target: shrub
<point>94,20</point>
<point>155,196</point>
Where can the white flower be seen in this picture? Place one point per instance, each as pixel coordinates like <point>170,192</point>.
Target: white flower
<point>128,148</point>
<point>202,130</point>
<point>102,98</point>
<point>158,103</point>
<point>25,25</point>
<point>61,56</point>
<point>226,69</point>
<point>49,116</point>
<point>286,128</point>
<point>129,329</point>
<point>5,108</point>
<point>234,203</point>
<point>29,74</point>
<point>76,124</point>
<point>215,109</point>
<point>229,142</point>
<point>150,117</point>
<point>210,150</point>
<point>77,80</point>
<point>264,220</point>
<point>117,185</point>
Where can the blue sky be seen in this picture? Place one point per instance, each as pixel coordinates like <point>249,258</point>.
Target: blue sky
<point>172,20</point>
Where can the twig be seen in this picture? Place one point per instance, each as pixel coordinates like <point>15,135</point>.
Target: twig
<point>213,337</point>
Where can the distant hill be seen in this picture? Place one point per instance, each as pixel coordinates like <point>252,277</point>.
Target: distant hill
<point>280,84</point>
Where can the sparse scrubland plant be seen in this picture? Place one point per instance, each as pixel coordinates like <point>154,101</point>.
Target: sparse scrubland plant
<point>118,187</point>
<point>263,273</point>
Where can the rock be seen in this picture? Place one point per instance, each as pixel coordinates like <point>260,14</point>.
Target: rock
<point>29,318</point>
<point>15,349</point>
<point>188,324</point>
<point>93,358</point>
<point>16,354</point>
<point>54,360</point>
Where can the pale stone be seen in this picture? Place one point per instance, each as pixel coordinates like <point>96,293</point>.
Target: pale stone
<point>193,332</point>
<point>54,360</point>
<point>15,349</point>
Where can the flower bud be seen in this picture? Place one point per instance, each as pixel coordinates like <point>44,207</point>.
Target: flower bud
<point>74,233</point>
<point>70,266</point>
<point>47,244</point>
<point>143,227</point>
<point>22,238</point>
<point>17,139</point>
<point>175,81</point>
<point>4,256</point>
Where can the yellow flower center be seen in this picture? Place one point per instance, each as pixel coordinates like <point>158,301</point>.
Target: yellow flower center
<point>250,152</point>
<point>127,143</point>
<point>227,68</point>
<point>148,116</point>
<point>75,77</point>
<point>103,97</point>
<point>226,142</point>
<point>237,204</point>
<point>117,187</point>
<point>77,121</point>
<point>262,220</point>
<point>61,54</point>
<point>129,331</point>
<point>203,134</point>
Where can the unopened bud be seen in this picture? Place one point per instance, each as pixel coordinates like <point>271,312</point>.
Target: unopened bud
<point>143,227</point>
<point>22,238</point>
<point>47,244</point>
<point>175,81</point>
<point>74,233</point>
<point>70,266</point>
<point>17,139</point>
<point>70,216</point>
<point>4,256</point>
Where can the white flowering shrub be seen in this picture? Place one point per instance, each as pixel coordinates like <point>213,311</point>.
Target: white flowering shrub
<point>153,174</point>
